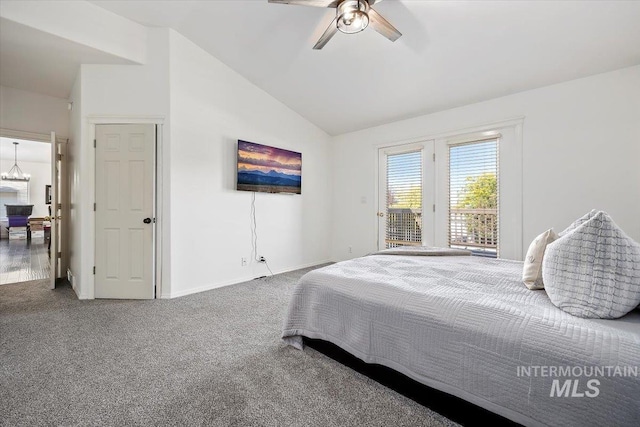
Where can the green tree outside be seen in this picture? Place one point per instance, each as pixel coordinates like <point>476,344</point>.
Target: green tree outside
<point>480,192</point>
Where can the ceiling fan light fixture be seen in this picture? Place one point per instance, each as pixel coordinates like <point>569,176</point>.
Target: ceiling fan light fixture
<point>352,16</point>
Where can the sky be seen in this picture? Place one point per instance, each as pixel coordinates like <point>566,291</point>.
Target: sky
<point>252,157</point>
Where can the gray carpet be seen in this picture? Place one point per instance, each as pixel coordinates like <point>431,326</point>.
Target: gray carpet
<point>213,358</point>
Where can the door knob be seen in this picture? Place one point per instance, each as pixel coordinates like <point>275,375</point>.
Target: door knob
<point>147,220</point>
<point>381,214</point>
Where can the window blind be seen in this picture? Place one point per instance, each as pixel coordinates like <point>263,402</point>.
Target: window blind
<point>404,199</point>
<point>473,197</point>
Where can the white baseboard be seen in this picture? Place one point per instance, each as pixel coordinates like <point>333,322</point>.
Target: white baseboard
<point>76,288</point>
<point>235,281</point>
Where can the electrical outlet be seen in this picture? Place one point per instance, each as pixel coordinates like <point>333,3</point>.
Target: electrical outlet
<point>350,249</point>
<point>262,259</point>
<point>243,261</point>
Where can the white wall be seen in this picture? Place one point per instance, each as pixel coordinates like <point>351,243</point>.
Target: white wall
<point>32,112</point>
<point>40,176</point>
<point>114,91</point>
<point>581,143</point>
<point>206,107</point>
<point>129,91</point>
<point>211,108</point>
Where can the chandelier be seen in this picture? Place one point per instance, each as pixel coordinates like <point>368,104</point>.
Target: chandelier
<point>15,173</point>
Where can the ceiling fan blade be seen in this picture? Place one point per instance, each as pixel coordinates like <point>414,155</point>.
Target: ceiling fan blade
<point>314,3</point>
<point>383,26</point>
<point>331,30</point>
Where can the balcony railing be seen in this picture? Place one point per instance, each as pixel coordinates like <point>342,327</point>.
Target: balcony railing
<point>475,229</point>
<point>404,227</point>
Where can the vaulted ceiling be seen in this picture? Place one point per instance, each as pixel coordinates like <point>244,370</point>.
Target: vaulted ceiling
<point>451,53</point>
<point>39,62</point>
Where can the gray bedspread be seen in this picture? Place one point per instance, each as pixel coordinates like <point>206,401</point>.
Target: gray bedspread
<point>469,327</point>
<point>423,251</point>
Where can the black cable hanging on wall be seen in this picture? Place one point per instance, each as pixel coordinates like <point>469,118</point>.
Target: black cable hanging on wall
<point>254,234</point>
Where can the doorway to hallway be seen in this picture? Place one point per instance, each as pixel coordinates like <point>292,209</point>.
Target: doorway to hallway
<point>25,210</point>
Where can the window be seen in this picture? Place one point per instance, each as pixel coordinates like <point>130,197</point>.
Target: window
<point>473,197</point>
<point>404,199</point>
<point>13,193</point>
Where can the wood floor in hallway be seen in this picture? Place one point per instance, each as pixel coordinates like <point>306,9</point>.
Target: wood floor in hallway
<point>23,260</point>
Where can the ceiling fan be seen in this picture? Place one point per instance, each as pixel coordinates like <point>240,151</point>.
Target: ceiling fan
<point>352,16</point>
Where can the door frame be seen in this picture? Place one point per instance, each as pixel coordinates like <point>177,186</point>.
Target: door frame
<point>56,206</point>
<point>63,262</point>
<point>159,229</point>
<point>31,136</point>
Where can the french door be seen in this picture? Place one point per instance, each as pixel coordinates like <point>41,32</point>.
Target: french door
<point>406,195</point>
<point>469,201</point>
<point>442,193</point>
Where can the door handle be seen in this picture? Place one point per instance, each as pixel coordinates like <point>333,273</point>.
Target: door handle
<point>380,214</point>
<point>147,220</point>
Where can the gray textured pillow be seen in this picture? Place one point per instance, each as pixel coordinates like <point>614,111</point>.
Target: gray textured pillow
<point>593,271</point>
<point>578,222</point>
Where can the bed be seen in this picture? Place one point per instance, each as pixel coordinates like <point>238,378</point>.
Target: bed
<point>469,327</point>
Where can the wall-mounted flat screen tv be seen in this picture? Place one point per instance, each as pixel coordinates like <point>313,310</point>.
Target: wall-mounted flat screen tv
<point>268,169</point>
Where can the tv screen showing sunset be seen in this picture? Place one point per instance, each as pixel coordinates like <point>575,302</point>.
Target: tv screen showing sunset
<point>268,169</point>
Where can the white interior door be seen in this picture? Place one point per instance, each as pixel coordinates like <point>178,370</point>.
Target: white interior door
<point>125,211</point>
<point>54,248</point>
<point>406,195</point>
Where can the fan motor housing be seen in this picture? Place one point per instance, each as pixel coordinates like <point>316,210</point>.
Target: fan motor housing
<point>352,16</point>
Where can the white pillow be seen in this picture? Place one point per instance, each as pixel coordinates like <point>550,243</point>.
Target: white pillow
<point>593,271</point>
<point>532,271</point>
